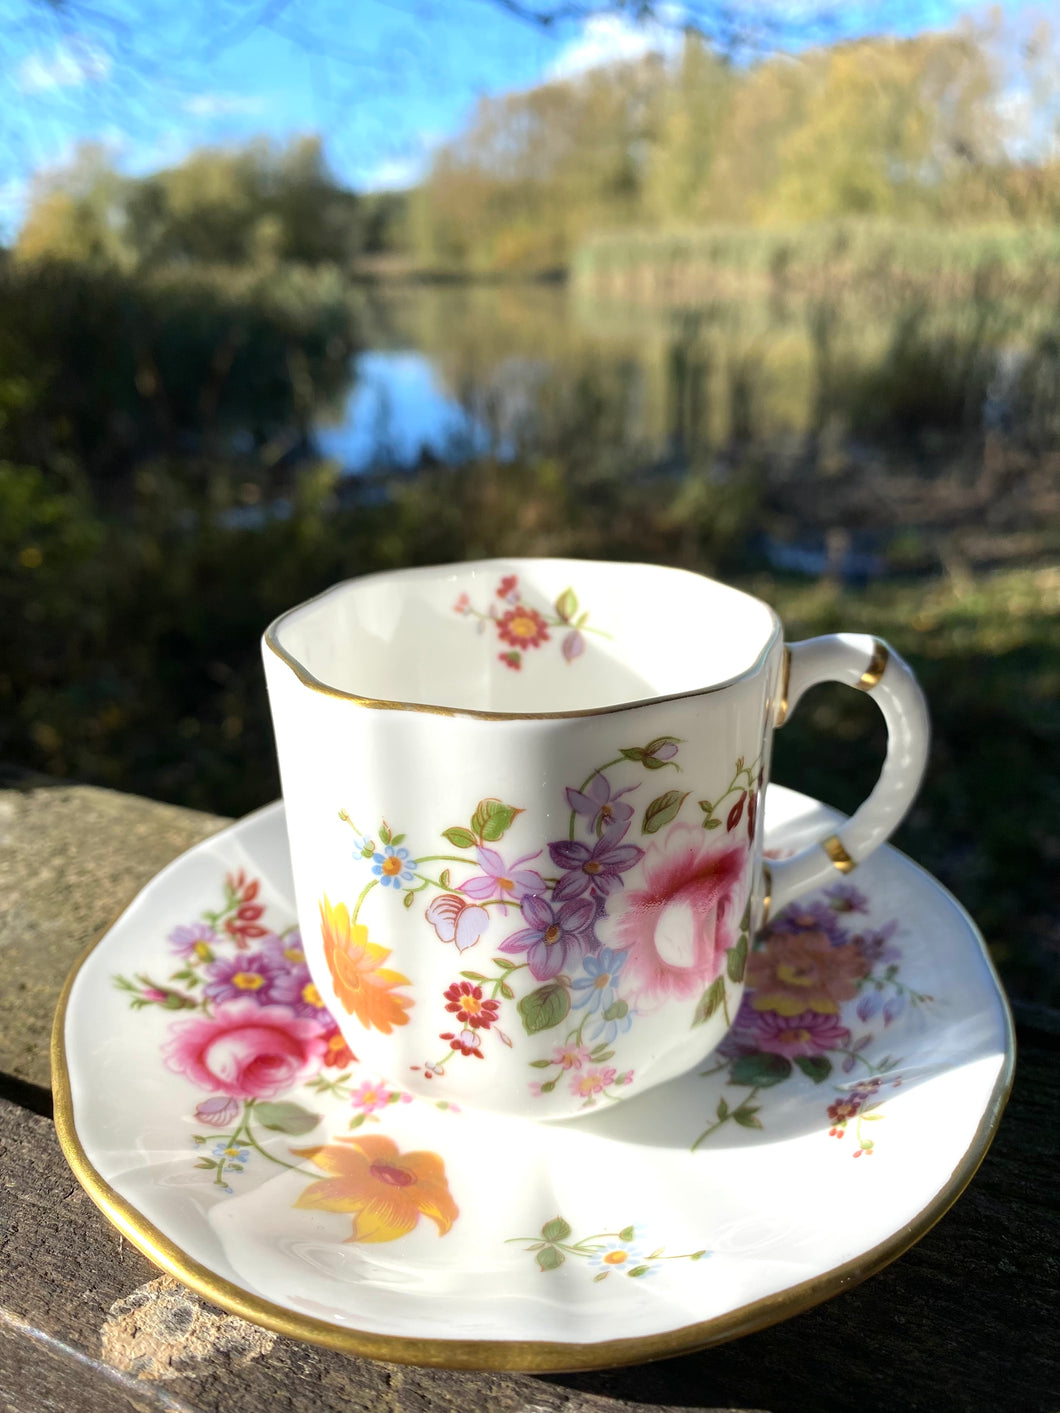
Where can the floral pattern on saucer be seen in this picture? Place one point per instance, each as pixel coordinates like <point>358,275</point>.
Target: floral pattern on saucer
<point>255,1039</point>
<point>607,1253</point>
<point>819,975</point>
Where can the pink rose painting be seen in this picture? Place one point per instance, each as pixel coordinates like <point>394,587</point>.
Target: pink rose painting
<point>677,928</point>
<point>245,1050</point>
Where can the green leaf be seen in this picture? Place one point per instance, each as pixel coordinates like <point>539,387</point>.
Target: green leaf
<point>357,1120</point>
<point>706,806</point>
<point>397,839</point>
<point>712,824</point>
<point>507,992</point>
<point>617,1010</point>
<point>599,1056</point>
<point>408,899</point>
<point>473,976</point>
<point>697,1255</point>
<point>626,1234</point>
<point>723,1110</point>
<point>815,1067</point>
<point>492,819</point>
<point>548,1258</point>
<point>285,1117</point>
<point>459,838</point>
<point>736,960</point>
<point>582,620</point>
<point>662,810</point>
<point>633,753</point>
<point>544,1008</point>
<point>759,1070</point>
<point>745,1117</point>
<point>443,878</point>
<point>548,1087</point>
<point>540,1064</point>
<point>745,921</point>
<point>710,1001</point>
<point>173,1002</point>
<point>384,832</point>
<point>206,1163</point>
<point>567,605</point>
<point>601,1276</point>
<point>556,1230</point>
<point>639,1271</point>
<point>505,964</point>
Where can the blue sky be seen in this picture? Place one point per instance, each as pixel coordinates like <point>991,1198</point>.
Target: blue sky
<point>393,78</point>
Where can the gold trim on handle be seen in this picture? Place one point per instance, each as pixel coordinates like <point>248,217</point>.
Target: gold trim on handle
<point>870,678</point>
<point>833,847</point>
<point>534,1356</point>
<point>782,704</point>
<point>767,895</point>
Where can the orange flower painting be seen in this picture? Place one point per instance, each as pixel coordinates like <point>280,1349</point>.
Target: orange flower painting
<point>362,984</point>
<point>385,1190</point>
<point>803,971</point>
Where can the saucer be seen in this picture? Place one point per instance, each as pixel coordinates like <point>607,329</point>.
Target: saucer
<point>211,1109</point>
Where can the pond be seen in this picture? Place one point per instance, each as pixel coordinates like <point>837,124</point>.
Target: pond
<point>450,373</point>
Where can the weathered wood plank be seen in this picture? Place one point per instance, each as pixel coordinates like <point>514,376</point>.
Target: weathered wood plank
<point>966,1321</point>
<point>71,857</point>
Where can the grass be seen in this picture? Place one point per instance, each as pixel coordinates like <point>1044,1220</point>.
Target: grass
<point>840,251</point>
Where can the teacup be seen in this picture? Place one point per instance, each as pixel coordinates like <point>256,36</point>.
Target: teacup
<point>524,807</point>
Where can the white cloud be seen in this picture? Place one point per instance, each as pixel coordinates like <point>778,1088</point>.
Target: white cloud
<point>223,105</point>
<point>13,196</point>
<point>394,173</point>
<point>614,39</point>
<point>403,166</point>
<point>69,65</point>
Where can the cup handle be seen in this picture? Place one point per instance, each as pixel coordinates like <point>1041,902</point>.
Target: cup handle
<point>870,665</point>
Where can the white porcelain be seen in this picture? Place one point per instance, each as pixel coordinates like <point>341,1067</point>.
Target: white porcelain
<point>818,1146</point>
<point>522,799</point>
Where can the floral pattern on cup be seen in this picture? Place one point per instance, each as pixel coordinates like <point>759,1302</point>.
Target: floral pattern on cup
<point>676,891</point>
<point>819,976</point>
<point>605,1253</point>
<point>520,627</point>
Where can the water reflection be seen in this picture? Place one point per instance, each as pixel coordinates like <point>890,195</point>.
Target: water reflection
<point>398,413</point>
<point>448,374</point>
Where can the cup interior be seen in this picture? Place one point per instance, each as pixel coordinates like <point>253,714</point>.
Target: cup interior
<point>526,636</point>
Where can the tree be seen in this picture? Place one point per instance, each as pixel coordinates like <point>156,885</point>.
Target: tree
<point>246,206</point>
